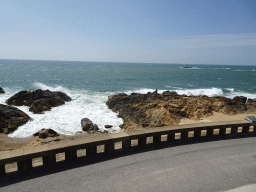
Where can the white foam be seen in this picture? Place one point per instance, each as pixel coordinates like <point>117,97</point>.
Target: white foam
<point>209,92</point>
<point>66,119</point>
<point>42,86</point>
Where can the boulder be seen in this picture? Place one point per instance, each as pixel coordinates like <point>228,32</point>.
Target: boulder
<point>87,125</point>
<point>39,100</point>
<point>44,133</point>
<point>11,118</point>
<point>108,126</point>
<point>1,90</point>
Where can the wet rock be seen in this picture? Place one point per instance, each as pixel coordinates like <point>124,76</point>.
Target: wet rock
<point>44,133</point>
<point>39,100</point>
<point>108,126</point>
<point>11,118</point>
<point>87,125</point>
<point>1,90</point>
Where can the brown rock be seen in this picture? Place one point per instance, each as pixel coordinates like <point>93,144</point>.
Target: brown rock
<point>154,110</point>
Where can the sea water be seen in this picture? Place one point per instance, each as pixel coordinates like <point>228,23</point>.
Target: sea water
<point>90,83</point>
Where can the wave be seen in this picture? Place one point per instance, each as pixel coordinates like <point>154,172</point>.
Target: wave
<point>66,119</point>
<point>42,86</point>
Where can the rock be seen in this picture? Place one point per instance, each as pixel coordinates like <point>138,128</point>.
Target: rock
<point>186,67</point>
<point>240,99</point>
<point>1,90</point>
<point>155,110</point>
<point>38,101</point>
<point>87,125</point>
<point>108,126</point>
<point>44,133</point>
<point>11,118</point>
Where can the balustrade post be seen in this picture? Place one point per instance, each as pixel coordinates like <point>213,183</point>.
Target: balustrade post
<point>70,156</point>
<point>171,137</point>
<point>246,129</point>
<point>234,129</point>
<point>25,165</point>
<point>109,147</point>
<point>222,131</point>
<point>197,134</point>
<point>142,141</point>
<point>49,161</point>
<point>184,135</point>
<point>126,143</point>
<point>91,151</point>
<point>157,139</point>
<point>209,132</point>
<point>2,170</point>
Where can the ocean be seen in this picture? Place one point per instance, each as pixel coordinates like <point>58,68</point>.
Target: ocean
<point>90,83</point>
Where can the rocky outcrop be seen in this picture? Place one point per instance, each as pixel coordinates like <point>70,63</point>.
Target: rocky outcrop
<point>39,100</point>
<point>87,125</point>
<point>154,110</point>
<point>44,133</point>
<point>11,118</point>
<point>1,90</point>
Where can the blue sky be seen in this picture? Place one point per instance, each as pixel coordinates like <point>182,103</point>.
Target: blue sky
<point>145,31</point>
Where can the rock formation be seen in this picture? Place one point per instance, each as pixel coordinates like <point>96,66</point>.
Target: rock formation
<point>44,133</point>
<point>87,125</point>
<point>1,90</point>
<point>154,110</point>
<point>11,118</point>
<point>38,101</point>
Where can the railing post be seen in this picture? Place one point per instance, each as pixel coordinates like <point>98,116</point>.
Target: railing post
<point>157,139</point>
<point>246,129</point>
<point>109,147</point>
<point>209,132</point>
<point>197,134</point>
<point>25,165</point>
<point>234,129</point>
<point>70,156</point>
<point>184,135</point>
<point>91,151</point>
<point>126,143</point>
<point>171,137</point>
<point>222,131</point>
<point>49,161</point>
<point>2,170</point>
<point>142,141</point>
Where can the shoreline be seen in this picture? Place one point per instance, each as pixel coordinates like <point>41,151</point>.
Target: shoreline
<point>10,143</point>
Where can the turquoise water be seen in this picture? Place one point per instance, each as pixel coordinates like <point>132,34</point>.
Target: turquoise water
<point>90,83</point>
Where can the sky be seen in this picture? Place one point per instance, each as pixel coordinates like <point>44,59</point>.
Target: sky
<point>140,31</point>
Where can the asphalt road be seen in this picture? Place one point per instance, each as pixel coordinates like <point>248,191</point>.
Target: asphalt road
<point>205,166</point>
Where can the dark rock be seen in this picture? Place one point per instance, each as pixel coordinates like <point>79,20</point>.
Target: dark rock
<point>87,125</point>
<point>108,126</point>
<point>1,90</point>
<point>240,99</point>
<point>11,118</point>
<point>187,67</point>
<point>44,133</point>
<point>38,101</point>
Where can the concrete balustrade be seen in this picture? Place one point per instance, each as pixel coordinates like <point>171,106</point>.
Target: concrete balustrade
<point>24,157</point>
